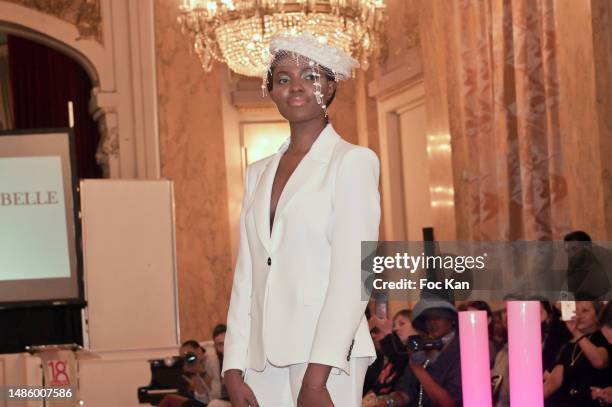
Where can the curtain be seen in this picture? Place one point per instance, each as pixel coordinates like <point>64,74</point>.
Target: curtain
<point>43,81</point>
<point>502,114</point>
<point>6,111</point>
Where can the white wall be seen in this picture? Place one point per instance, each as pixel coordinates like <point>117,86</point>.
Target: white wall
<point>130,287</point>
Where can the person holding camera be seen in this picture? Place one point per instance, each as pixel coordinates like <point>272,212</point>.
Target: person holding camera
<point>201,374</point>
<point>393,357</point>
<point>433,376</point>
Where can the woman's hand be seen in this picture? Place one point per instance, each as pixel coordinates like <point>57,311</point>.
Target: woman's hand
<point>240,393</point>
<point>572,326</point>
<point>314,396</point>
<point>603,395</point>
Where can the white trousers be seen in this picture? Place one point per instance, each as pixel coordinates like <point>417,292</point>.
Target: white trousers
<point>280,386</point>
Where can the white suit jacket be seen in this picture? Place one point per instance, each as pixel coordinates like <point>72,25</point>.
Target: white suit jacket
<point>296,295</point>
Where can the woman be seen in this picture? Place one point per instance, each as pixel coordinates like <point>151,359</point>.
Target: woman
<point>582,363</point>
<point>394,355</point>
<point>297,333</point>
<point>604,394</point>
<point>554,334</point>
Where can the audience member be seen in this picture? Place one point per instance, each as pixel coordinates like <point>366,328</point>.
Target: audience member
<point>604,394</point>
<point>394,358</point>
<point>554,335</point>
<point>500,336</point>
<point>379,328</point>
<point>499,372</point>
<point>588,267</point>
<point>219,344</point>
<point>202,375</point>
<point>583,362</point>
<point>433,376</point>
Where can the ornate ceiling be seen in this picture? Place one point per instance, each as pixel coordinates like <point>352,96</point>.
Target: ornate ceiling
<point>84,14</point>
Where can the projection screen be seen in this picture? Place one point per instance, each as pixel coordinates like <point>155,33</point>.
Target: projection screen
<point>39,235</point>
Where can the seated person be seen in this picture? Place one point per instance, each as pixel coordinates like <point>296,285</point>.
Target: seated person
<point>379,328</point>
<point>394,361</point>
<point>604,394</point>
<point>554,334</point>
<point>202,374</point>
<point>433,376</point>
<point>219,345</point>
<point>583,362</point>
<point>501,392</point>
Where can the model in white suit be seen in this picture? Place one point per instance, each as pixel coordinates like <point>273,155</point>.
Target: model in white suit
<point>297,296</point>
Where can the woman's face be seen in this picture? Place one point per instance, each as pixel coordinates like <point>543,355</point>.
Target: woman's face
<point>293,89</point>
<point>586,317</point>
<point>403,328</point>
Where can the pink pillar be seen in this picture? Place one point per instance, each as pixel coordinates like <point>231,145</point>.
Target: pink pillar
<point>475,372</point>
<point>525,354</point>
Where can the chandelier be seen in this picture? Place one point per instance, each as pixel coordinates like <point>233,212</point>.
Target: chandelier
<point>237,32</point>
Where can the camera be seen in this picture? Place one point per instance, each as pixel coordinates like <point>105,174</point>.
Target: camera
<point>190,358</point>
<point>417,343</point>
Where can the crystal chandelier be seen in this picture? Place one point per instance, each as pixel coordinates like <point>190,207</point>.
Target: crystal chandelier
<point>237,32</point>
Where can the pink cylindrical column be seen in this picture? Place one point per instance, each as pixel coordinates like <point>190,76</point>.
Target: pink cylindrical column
<point>525,354</point>
<point>475,372</point>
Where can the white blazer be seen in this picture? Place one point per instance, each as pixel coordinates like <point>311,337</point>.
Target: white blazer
<point>296,295</point>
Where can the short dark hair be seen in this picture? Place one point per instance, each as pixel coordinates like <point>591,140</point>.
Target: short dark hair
<point>597,306</point>
<point>326,71</point>
<point>219,329</point>
<point>192,343</point>
<point>481,306</point>
<point>577,236</point>
<point>605,316</point>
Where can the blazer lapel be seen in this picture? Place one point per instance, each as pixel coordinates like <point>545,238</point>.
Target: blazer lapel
<point>297,180</point>
<point>261,201</point>
<point>317,157</point>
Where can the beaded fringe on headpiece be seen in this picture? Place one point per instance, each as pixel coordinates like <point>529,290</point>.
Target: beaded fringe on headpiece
<point>324,58</point>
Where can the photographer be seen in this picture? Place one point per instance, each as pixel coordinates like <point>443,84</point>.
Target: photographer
<point>393,357</point>
<point>202,379</point>
<point>433,377</point>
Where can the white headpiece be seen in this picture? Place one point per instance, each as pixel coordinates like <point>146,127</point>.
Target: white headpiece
<point>328,56</point>
<point>321,55</point>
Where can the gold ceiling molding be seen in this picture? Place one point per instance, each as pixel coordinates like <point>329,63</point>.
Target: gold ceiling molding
<point>84,14</point>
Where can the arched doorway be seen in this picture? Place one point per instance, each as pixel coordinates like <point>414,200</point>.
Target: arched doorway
<point>41,82</point>
<point>36,83</point>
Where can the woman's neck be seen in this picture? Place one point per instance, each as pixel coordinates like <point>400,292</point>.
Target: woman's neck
<point>303,134</point>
